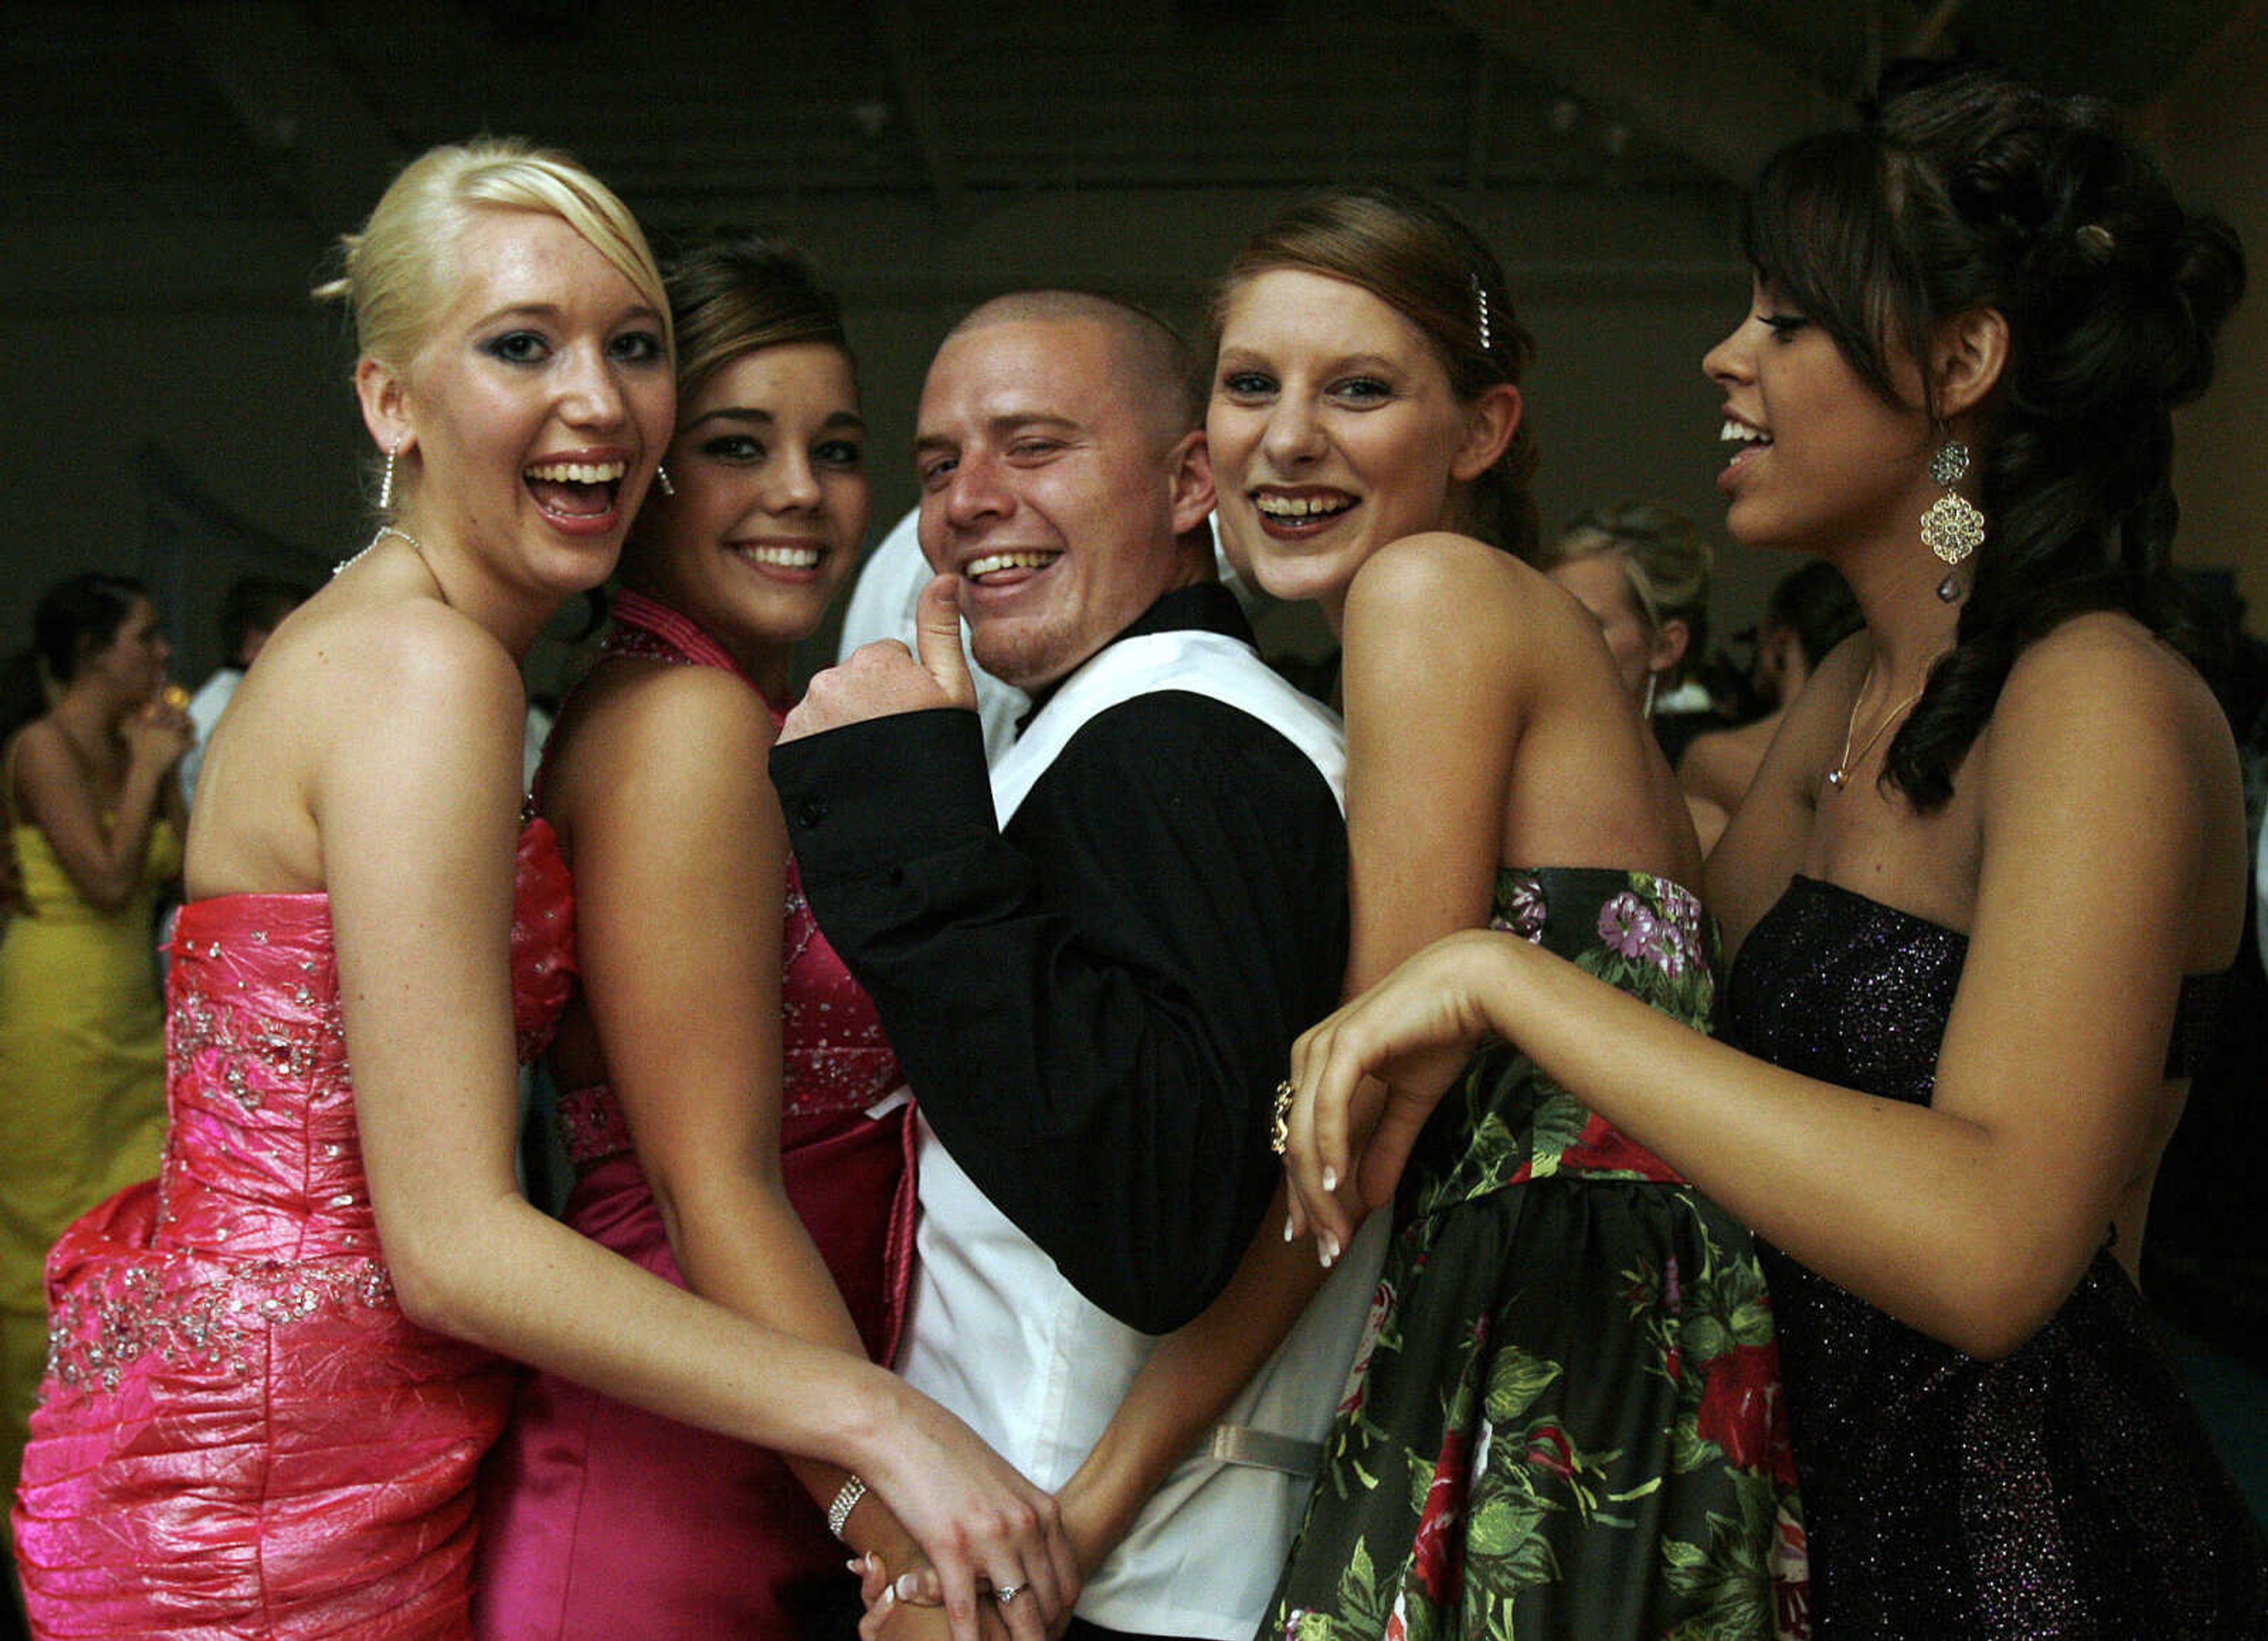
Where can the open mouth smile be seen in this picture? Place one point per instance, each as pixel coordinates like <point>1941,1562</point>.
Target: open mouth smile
<point>579,494</point>
<point>1735,431</point>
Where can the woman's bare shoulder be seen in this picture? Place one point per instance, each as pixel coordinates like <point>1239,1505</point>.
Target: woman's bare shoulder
<point>666,723</point>
<point>2103,685</point>
<point>1446,588</point>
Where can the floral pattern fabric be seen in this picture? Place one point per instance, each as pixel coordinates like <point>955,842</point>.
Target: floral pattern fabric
<point>1564,1419</point>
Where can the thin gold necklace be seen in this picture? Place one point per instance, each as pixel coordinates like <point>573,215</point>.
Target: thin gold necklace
<point>1841,772</point>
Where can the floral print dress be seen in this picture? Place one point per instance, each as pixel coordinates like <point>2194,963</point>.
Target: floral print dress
<point>1564,1419</point>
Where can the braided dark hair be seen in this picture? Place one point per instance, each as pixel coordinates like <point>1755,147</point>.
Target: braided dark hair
<point>1967,190</point>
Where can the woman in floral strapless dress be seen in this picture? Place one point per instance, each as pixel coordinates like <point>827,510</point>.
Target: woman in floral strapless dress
<point>1981,894</point>
<point>1563,1419</point>
<point>275,1374</point>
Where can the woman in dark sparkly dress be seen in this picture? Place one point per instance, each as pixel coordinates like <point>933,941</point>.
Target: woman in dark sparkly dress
<point>1979,895</point>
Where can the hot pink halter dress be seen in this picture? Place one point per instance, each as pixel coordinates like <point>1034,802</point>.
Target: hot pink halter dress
<point>604,1521</point>
<point>240,1435</point>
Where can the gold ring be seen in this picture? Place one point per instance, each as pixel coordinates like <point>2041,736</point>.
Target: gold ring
<point>1279,1131</point>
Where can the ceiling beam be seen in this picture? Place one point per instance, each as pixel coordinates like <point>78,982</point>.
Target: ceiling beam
<point>1670,69</point>
<point>277,73</point>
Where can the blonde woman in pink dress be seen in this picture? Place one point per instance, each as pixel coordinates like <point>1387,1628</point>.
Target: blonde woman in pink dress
<point>275,1374</point>
<point>731,1107</point>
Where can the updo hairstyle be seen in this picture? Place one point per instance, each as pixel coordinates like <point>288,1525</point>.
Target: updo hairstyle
<point>1663,557</point>
<point>397,274</point>
<point>737,292</point>
<point>1436,273</point>
<point>1966,189</point>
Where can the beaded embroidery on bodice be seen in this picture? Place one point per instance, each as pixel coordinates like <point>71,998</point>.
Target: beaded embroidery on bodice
<point>834,1058</point>
<point>262,1173</point>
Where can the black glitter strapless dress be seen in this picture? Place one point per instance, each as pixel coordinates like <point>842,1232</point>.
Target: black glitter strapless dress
<point>2066,1490</point>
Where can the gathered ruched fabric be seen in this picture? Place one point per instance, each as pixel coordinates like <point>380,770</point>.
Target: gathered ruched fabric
<point>240,1434</point>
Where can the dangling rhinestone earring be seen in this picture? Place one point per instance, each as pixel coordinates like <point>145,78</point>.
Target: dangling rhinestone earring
<point>385,479</point>
<point>661,481</point>
<point>1952,528</point>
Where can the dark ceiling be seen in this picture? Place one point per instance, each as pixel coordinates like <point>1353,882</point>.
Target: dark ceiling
<point>213,128</point>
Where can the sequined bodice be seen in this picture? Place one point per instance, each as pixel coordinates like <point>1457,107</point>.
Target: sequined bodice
<point>2064,1490</point>
<point>1857,993</point>
<point>263,1159</point>
<point>835,1059</point>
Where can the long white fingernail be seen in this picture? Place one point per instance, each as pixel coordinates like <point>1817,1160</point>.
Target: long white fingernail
<point>1287,1227</point>
<point>903,1585</point>
<point>1330,1178</point>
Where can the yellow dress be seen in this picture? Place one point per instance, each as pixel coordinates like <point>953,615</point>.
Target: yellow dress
<point>82,1085</point>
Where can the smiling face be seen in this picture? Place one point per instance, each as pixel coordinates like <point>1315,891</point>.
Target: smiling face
<point>1820,461</point>
<point>1334,430</point>
<point>769,466</point>
<point>529,420</point>
<point>1054,487</point>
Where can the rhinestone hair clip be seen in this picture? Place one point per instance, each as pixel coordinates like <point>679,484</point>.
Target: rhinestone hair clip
<point>1481,312</point>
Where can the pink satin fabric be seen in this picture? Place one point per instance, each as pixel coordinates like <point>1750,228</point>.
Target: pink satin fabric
<point>239,1434</point>
<point>603,1522</point>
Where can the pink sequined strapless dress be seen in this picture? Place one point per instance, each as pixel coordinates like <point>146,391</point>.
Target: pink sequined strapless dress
<point>604,1521</point>
<point>239,1433</point>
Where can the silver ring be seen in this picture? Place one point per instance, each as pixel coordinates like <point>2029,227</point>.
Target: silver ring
<point>1005,1594</point>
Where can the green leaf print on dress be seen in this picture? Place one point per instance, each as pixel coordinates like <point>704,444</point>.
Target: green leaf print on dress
<point>1567,1422</point>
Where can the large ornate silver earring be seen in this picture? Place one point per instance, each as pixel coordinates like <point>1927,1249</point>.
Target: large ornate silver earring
<point>385,479</point>
<point>1952,528</point>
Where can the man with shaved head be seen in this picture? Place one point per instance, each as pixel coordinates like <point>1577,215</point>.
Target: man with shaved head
<point>1091,959</point>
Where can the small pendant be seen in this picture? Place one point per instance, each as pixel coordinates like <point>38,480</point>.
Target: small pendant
<point>1835,778</point>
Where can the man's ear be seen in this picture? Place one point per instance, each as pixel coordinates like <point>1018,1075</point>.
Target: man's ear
<point>1968,352</point>
<point>1191,465</point>
<point>1491,421</point>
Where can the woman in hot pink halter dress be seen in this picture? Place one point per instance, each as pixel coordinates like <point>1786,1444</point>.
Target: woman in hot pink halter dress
<point>275,1374</point>
<point>737,1052</point>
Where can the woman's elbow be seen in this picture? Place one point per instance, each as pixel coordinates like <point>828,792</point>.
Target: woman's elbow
<point>427,1292</point>
<point>1994,1314</point>
<point>438,1285</point>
